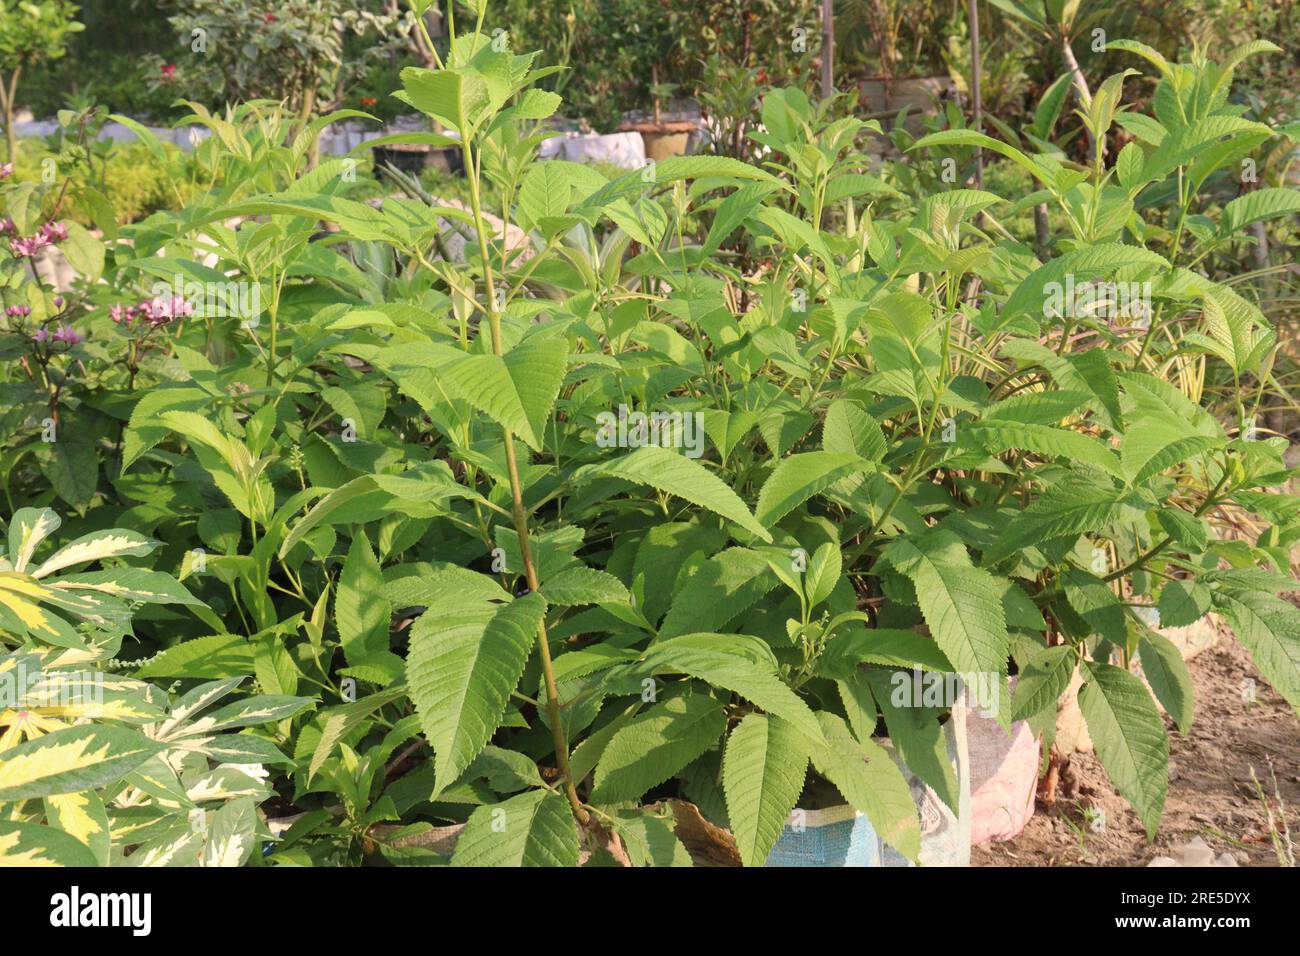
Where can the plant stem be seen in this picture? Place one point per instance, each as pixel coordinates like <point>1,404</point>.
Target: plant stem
<point>520,516</point>
<point>1210,501</point>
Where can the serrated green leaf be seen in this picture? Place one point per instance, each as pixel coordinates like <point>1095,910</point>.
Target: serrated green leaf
<point>582,585</point>
<point>687,479</point>
<point>361,612</point>
<point>797,478</point>
<point>1183,603</point>
<point>763,770</point>
<point>850,430</point>
<point>516,390</point>
<point>960,602</point>
<point>1130,738</point>
<point>1043,680</point>
<point>465,660</point>
<point>734,673</point>
<point>1166,672</point>
<point>870,782</point>
<point>532,829</point>
<point>1269,628</point>
<point>655,745</point>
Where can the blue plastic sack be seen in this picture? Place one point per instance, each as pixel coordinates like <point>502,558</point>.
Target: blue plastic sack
<point>840,836</point>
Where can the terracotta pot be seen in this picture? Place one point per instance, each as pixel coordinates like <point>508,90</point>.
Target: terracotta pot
<point>663,139</point>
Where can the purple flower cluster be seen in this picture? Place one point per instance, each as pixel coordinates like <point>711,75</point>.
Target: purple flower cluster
<point>48,235</point>
<point>64,333</point>
<point>154,312</point>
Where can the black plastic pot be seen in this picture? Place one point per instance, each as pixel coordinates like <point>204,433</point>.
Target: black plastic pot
<point>414,158</point>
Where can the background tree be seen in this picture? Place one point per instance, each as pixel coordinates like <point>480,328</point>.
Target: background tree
<point>30,33</point>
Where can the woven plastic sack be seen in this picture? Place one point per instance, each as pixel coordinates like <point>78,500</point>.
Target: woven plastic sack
<point>840,836</point>
<point>1003,777</point>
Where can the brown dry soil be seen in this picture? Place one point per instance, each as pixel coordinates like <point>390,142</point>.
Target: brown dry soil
<point>1211,794</point>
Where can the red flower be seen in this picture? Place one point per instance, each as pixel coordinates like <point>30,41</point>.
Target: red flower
<point>169,71</point>
<point>368,101</point>
<point>269,18</point>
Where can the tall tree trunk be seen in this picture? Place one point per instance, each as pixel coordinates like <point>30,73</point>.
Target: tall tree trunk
<point>1261,258</point>
<point>1042,234</point>
<point>9,94</point>
<point>1080,87</point>
<point>828,48</point>
<point>977,107</point>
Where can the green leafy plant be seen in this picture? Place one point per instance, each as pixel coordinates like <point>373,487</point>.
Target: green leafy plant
<point>98,768</point>
<point>597,498</point>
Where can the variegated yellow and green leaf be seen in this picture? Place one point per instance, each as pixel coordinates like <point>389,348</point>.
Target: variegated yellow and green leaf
<point>178,845</point>
<point>27,529</point>
<point>262,709</point>
<point>227,783</point>
<point>81,816</point>
<point>31,844</point>
<point>157,778</point>
<point>73,759</point>
<point>195,702</point>
<point>85,694</point>
<point>138,825</point>
<point>22,615</point>
<point>20,725</point>
<point>231,834</point>
<point>115,543</point>
<point>130,584</point>
<point>100,610</point>
<point>235,749</point>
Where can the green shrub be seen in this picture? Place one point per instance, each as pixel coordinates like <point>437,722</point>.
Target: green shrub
<point>131,178</point>
<point>668,503</point>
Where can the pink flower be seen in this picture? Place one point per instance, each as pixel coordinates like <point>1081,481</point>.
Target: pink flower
<point>7,226</point>
<point>161,311</point>
<point>169,71</point>
<point>152,312</point>
<point>119,313</point>
<point>68,335</point>
<point>41,335</point>
<point>22,248</point>
<point>54,232</point>
<point>18,310</point>
<point>6,170</point>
